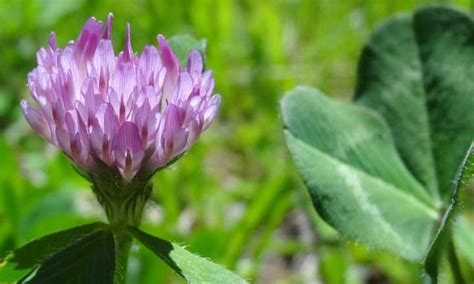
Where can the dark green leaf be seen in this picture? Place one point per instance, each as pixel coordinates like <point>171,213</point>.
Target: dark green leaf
<point>358,182</point>
<point>193,268</point>
<point>417,73</point>
<point>87,260</point>
<point>22,260</point>
<point>446,46</point>
<point>181,44</point>
<point>390,82</point>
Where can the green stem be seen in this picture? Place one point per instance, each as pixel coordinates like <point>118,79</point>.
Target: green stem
<point>123,243</point>
<point>123,202</point>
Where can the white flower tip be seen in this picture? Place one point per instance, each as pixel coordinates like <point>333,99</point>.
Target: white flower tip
<point>128,44</point>
<point>52,40</point>
<point>24,105</point>
<point>161,39</point>
<point>108,26</point>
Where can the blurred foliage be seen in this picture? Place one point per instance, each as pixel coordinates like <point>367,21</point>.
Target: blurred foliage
<point>235,197</point>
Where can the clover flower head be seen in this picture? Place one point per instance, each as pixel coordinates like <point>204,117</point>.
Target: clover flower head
<point>132,113</point>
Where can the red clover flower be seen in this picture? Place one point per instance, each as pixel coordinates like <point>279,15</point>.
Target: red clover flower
<point>132,113</point>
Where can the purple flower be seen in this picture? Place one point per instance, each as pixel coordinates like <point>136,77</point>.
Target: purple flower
<point>131,113</point>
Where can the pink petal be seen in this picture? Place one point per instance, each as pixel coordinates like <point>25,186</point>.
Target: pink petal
<point>64,140</point>
<point>70,122</point>
<point>128,138</point>
<point>111,123</point>
<point>52,40</point>
<point>124,79</point>
<point>88,40</point>
<point>179,142</point>
<point>194,63</point>
<point>96,136</point>
<point>173,119</point>
<point>128,52</point>
<point>149,66</point>
<point>211,111</point>
<point>207,83</point>
<point>104,57</point>
<point>183,88</point>
<point>171,63</point>
<point>128,150</point>
<point>108,27</point>
<point>36,120</point>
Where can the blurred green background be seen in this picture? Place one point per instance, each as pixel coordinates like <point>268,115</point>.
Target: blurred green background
<point>235,197</point>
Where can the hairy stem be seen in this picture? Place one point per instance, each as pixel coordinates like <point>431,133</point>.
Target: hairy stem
<point>123,243</point>
<point>123,202</point>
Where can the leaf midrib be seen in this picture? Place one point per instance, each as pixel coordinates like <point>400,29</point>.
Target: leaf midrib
<point>430,211</point>
<point>426,114</point>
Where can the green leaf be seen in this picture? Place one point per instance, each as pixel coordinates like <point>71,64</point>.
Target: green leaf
<point>358,183</point>
<point>87,260</point>
<point>193,268</point>
<point>443,238</point>
<point>181,44</point>
<point>446,48</point>
<point>417,73</point>
<point>390,82</point>
<point>17,264</point>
